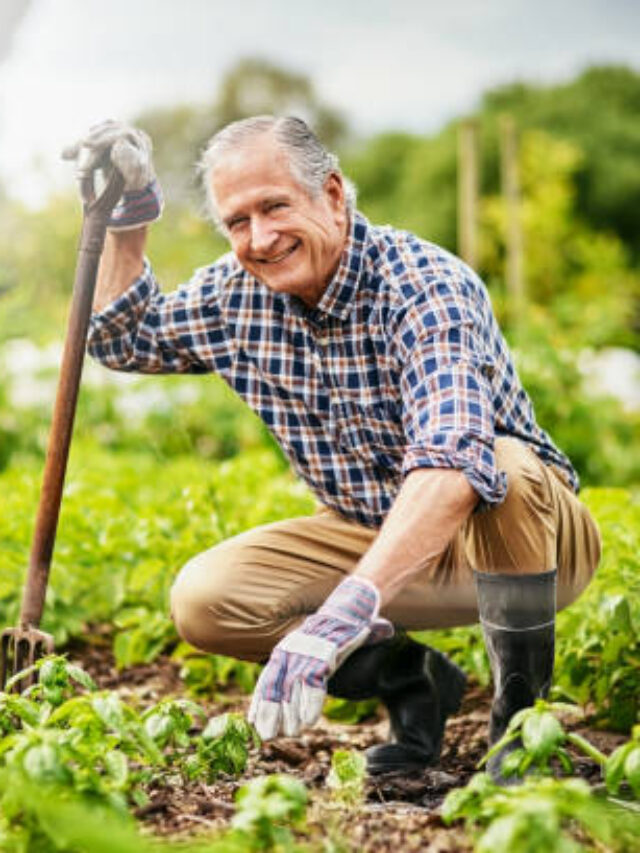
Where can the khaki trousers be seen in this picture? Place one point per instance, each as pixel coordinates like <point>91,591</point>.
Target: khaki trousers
<point>242,596</point>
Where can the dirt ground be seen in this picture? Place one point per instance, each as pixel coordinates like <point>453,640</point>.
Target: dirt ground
<point>400,813</point>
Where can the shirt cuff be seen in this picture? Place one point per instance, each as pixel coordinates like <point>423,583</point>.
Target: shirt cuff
<point>126,311</point>
<point>489,483</point>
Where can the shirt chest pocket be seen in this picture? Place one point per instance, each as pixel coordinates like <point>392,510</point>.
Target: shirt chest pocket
<point>368,430</point>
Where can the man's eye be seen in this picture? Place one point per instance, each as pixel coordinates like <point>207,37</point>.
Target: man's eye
<point>235,224</point>
<point>278,204</point>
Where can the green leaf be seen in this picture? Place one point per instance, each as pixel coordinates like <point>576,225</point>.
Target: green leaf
<point>346,776</point>
<point>159,727</point>
<point>81,677</point>
<point>217,727</point>
<point>109,708</point>
<point>44,764</point>
<point>511,763</point>
<point>616,613</point>
<point>348,711</point>
<point>614,768</point>
<point>117,767</point>
<point>541,735</point>
<point>632,770</point>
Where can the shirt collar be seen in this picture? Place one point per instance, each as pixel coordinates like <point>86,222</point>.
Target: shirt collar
<point>337,300</point>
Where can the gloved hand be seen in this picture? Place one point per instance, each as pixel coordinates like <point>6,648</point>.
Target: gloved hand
<point>113,143</point>
<point>292,687</point>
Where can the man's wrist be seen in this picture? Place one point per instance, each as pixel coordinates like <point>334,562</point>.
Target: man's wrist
<point>355,600</point>
<point>121,265</point>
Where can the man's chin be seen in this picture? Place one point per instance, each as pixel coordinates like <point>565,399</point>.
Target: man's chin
<point>277,283</point>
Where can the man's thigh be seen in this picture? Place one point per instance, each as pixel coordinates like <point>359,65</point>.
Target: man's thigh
<point>241,596</point>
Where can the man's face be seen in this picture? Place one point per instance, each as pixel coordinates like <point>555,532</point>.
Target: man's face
<point>286,239</point>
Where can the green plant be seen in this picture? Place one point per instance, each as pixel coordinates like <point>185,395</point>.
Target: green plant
<point>96,746</point>
<point>349,711</point>
<point>347,776</point>
<point>541,814</point>
<point>127,525</point>
<point>542,740</point>
<point>203,674</point>
<point>598,656</point>
<point>57,680</point>
<point>267,809</point>
<point>623,766</point>
<point>222,748</point>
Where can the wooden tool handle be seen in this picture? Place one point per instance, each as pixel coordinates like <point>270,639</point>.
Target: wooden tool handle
<point>96,215</point>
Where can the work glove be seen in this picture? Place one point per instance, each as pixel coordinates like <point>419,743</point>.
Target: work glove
<point>113,143</point>
<point>292,686</point>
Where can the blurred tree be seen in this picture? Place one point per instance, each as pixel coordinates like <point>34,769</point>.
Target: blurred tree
<point>409,181</point>
<point>599,112</point>
<point>251,87</point>
<point>37,252</point>
<point>178,134</point>
<point>256,86</point>
<point>581,276</point>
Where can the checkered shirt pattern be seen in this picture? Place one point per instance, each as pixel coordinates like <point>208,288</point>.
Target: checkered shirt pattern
<point>401,365</point>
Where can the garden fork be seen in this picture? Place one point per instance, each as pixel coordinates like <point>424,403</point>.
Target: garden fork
<point>22,646</point>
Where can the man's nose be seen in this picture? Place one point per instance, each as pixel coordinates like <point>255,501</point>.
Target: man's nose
<point>263,235</point>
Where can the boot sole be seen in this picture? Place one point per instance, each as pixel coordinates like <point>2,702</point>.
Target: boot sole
<point>404,762</point>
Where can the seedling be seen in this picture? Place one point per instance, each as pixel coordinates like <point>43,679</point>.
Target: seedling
<point>347,776</point>
<point>623,766</point>
<point>541,814</point>
<point>267,807</point>
<point>541,738</point>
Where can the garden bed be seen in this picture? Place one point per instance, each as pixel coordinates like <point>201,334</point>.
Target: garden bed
<point>399,812</point>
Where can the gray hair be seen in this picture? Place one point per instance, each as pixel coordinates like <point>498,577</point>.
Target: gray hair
<point>310,162</point>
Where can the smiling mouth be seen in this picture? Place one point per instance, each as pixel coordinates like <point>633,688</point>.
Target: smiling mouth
<point>276,259</point>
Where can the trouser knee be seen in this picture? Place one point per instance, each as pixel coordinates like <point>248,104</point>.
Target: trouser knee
<point>218,605</point>
<point>192,612</point>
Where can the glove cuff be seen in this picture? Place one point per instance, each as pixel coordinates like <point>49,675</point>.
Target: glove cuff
<point>137,208</point>
<point>355,600</point>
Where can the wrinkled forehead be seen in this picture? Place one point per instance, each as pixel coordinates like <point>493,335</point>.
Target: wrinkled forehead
<point>256,166</point>
<point>260,155</point>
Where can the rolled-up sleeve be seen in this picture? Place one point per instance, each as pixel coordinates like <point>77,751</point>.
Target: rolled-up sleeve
<point>146,331</point>
<point>448,416</point>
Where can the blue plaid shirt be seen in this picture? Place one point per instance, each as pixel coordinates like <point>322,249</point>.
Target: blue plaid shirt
<point>401,365</point>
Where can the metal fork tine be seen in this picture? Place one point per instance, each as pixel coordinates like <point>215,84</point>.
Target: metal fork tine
<point>5,653</point>
<point>22,648</point>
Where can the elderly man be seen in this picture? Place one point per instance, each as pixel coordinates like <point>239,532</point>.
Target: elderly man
<point>376,361</point>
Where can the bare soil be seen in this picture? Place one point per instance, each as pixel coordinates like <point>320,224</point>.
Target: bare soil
<point>400,813</point>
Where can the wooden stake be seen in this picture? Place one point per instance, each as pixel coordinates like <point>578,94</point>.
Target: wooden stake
<point>514,273</point>
<point>468,191</point>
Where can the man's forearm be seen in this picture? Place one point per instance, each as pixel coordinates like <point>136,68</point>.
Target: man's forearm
<point>122,262</point>
<point>428,511</point>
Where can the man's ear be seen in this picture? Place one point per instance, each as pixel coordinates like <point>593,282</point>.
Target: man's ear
<point>334,189</point>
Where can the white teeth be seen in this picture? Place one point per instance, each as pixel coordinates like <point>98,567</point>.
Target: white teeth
<point>281,256</point>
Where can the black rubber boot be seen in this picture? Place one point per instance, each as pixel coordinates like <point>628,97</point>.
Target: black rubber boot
<point>517,613</point>
<point>419,686</point>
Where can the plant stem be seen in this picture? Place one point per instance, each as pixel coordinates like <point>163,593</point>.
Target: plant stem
<point>588,748</point>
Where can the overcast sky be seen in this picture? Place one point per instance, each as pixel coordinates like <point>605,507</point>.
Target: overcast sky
<point>401,64</point>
